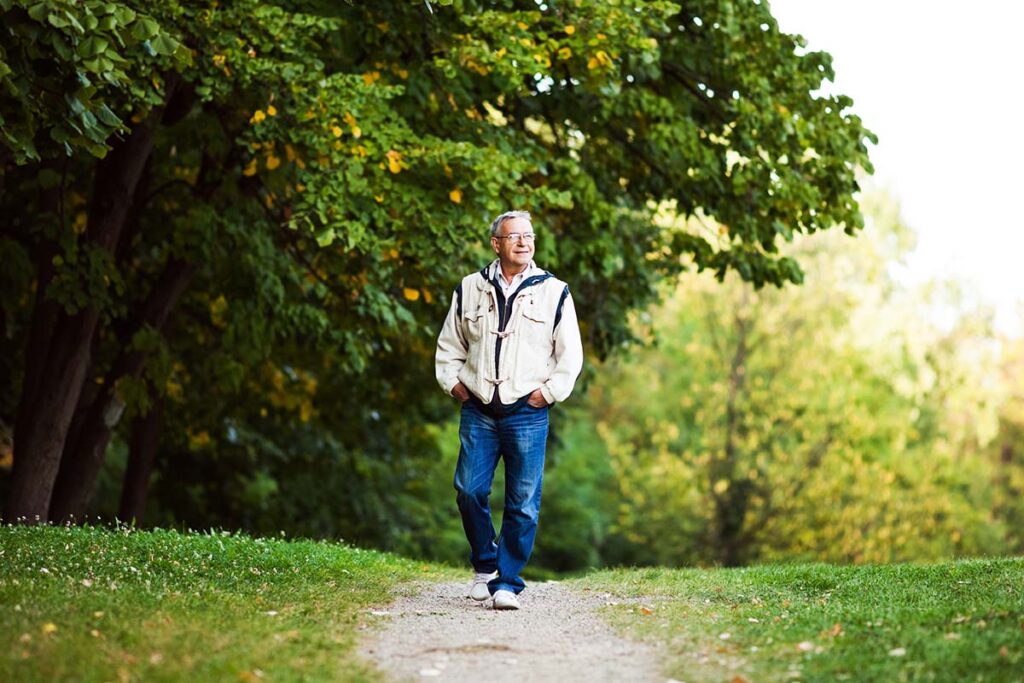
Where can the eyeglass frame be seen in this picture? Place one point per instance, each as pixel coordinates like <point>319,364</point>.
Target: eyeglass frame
<point>515,237</point>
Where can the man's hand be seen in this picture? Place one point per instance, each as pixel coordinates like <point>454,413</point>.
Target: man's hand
<point>537,399</point>
<point>460,392</point>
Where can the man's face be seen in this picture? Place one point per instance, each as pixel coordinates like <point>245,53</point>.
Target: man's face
<point>514,254</point>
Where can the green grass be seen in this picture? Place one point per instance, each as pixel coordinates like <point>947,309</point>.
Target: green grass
<point>958,621</point>
<point>91,604</point>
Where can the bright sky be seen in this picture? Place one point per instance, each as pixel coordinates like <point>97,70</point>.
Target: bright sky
<point>942,85</point>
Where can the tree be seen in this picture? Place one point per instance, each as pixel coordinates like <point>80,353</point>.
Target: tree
<point>257,178</point>
<point>830,422</point>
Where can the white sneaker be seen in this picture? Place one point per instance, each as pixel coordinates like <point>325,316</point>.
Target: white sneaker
<point>479,591</point>
<point>505,600</point>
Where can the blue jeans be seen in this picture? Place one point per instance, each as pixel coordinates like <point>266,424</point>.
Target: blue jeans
<point>520,438</point>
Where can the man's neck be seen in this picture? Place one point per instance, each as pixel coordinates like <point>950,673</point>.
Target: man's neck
<point>509,272</point>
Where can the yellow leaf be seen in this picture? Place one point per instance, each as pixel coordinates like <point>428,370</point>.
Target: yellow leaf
<point>411,294</point>
<point>370,77</point>
<point>721,486</point>
<point>379,198</point>
<point>383,26</point>
<point>337,131</point>
<point>81,220</point>
<point>357,132</point>
<point>522,25</point>
<point>197,441</point>
<point>403,74</point>
<point>257,116</point>
<point>271,110</point>
<point>394,161</point>
<point>273,162</point>
<point>570,29</point>
<point>48,628</point>
<point>599,59</point>
<point>564,53</point>
<point>427,297</point>
<point>217,308</point>
<point>455,195</point>
<point>251,169</point>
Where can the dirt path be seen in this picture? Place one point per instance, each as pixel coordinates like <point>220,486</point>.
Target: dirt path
<point>441,634</point>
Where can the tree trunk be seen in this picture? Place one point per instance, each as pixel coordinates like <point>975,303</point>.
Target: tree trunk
<point>49,399</point>
<point>145,440</point>
<point>731,504</point>
<point>83,458</point>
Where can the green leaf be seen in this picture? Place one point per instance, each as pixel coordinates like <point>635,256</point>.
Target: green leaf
<point>145,28</point>
<point>164,44</point>
<point>38,11</point>
<point>57,21</point>
<point>108,117</point>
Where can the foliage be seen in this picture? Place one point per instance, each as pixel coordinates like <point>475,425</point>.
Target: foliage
<point>833,422</point>
<point>951,621</point>
<point>320,175</point>
<point>102,605</point>
<point>67,68</point>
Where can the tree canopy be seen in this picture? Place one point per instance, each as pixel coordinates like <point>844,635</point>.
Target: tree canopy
<point>248,218</point>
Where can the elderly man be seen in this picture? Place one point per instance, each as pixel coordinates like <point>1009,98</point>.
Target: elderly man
<point>510,348</point>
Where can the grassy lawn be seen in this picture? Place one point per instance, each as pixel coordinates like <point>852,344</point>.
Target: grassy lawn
<point>958,621</point>
<point>99,605</point>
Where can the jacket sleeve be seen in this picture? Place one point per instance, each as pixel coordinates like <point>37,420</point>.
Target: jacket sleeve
<point>568,356</point>
<point>450,355</point>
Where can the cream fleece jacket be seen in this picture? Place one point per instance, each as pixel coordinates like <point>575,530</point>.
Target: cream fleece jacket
<point>530,342</point>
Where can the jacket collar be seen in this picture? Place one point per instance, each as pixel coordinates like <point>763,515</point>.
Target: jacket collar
<point>485,279</point>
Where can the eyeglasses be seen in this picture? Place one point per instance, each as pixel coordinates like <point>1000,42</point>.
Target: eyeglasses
<point>515,237</point>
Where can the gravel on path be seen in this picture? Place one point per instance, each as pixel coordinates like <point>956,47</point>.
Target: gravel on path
<point>441,634</point>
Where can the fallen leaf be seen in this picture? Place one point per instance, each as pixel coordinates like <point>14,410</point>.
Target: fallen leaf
<point>646,610</point>
<point>836,630</point>
<point>1004,651</point>
<point>952,636</point>
<point>48,628</point>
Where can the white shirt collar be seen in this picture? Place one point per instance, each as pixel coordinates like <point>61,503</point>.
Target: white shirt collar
<point>494,273</point>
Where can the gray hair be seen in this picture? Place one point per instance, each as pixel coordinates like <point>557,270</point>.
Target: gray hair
<point>509,215</point>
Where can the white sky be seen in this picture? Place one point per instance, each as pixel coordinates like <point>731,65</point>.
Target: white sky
<point>942,85</point>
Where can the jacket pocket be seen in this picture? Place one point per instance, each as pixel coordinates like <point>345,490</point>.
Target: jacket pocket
<point>536,326</point>
<point>473,323</point>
